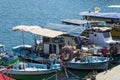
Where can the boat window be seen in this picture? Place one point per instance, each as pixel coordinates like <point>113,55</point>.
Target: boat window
<point>61,46</point>
<point>98,23</point>
<point>106,34</point>
<point>58,40</point>
<point>52,48</point>
<point>46,39</point>
<point>77,40</point>
<point>53,40</point>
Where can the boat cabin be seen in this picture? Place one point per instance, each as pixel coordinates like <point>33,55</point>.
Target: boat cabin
<point>100,36</point>
<point>70,38</point>
<point>54,45</point>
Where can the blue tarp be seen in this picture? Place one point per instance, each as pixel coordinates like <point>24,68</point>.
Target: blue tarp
<point>69,29</point>
<point>110,15</point>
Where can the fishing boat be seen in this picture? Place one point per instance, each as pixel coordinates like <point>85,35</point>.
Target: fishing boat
<point>32,71</point>
<point>42,48</point>
<point>83,60</point>
<point>111,18</point>
<point>101,43</point>
<point>7,59</point>
<point>50,43</point>
<point>101,36</point>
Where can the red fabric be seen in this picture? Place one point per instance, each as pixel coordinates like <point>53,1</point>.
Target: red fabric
<point>9,67</point>
<point>4,77</point>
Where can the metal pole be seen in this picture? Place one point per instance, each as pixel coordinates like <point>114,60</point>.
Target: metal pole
<point>56,76</point>
<point>23,38</point>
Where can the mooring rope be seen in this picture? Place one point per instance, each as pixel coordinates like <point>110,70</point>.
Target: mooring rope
<point>50,77</point>
<point>72,73</point>
<point>66,70</point>
<point>66,73</point>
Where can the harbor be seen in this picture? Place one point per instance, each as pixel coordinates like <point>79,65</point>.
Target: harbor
<point>59,40</point>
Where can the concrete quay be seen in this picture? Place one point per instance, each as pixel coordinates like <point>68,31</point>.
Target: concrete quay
<point>112,74</point>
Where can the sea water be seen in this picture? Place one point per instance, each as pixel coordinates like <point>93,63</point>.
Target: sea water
<point>40,13</point>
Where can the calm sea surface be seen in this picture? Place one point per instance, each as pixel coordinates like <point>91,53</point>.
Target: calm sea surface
<point>40,13</point>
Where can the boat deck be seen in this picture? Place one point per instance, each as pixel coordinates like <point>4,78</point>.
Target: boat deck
<point>112,74</point>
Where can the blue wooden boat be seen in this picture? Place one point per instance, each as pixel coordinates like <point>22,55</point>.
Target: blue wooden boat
<point>82,60</point>
<point>92,62</point>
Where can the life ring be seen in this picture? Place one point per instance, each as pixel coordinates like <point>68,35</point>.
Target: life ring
<point>53,57</point>
<point>113,50</point>
<point>66,54</point>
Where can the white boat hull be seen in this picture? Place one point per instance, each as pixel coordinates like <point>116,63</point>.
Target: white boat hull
<point>19,72</point>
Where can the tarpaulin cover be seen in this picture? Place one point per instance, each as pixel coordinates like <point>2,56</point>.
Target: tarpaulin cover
<point>110,15</point>
<point>69,29</point>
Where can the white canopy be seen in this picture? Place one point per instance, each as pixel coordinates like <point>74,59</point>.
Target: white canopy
<point>39,31</point>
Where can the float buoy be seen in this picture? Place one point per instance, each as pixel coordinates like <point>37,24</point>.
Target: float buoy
<point>53,57</point>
